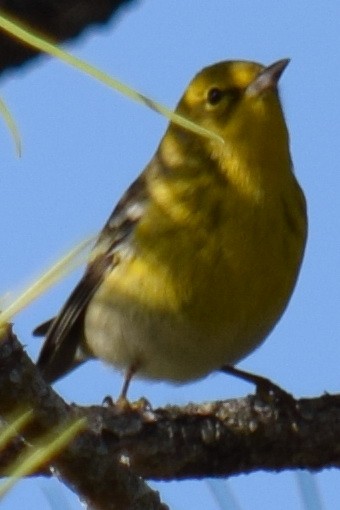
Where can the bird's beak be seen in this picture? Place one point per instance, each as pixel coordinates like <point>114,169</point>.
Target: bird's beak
<point>268,78</point>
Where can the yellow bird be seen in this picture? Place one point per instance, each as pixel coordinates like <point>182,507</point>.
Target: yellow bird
<point>198,260</point>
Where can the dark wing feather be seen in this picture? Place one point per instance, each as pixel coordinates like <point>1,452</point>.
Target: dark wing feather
<point>43,328</point>
<point>65,333</point>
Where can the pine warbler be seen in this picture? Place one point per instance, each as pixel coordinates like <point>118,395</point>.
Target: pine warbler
<point>199,258</point>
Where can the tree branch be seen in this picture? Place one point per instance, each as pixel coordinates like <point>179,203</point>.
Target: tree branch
<point>197,440</point>
<point>58,20</point>
<point>104,482</point>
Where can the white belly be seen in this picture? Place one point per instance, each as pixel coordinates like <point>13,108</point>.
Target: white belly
<point>160,345</point>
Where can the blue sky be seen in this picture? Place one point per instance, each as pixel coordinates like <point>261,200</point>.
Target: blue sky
<point>83,144</point>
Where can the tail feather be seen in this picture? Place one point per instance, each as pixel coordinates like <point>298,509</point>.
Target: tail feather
<point>42,329</point>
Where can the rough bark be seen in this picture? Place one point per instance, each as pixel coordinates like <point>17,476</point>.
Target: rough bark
<point>121,445</point>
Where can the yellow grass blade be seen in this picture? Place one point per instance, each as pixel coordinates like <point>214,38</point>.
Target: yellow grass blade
<point>19,31</point>
<point>10,123</point>
<point>61,268</point>
<point>52,444</point>
<point>14,428</point>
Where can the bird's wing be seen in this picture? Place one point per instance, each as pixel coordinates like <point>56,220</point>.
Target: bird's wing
<point>64,333</point>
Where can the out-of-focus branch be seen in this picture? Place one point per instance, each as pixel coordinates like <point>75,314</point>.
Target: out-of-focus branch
<point>198,440</point>
<point>58,20</point>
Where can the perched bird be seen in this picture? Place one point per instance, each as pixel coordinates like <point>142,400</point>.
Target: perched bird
<point>198,260</point>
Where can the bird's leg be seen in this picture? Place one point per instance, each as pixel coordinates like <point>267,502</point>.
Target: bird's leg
<point>264,387</point>
<point>122,400</point>
<point>127,379</point>
<point>140,405</point>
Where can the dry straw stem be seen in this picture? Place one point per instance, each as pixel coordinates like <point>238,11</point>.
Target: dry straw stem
<point>26,35</point>
<point>10,123</point>
<point>65,265</point>
<point>13,428</point>
<point>50,445</point>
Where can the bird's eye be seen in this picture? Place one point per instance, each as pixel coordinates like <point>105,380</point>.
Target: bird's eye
<point>214,95</point>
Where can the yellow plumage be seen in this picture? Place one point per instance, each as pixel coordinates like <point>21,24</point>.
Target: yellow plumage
<point>198,260</point>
